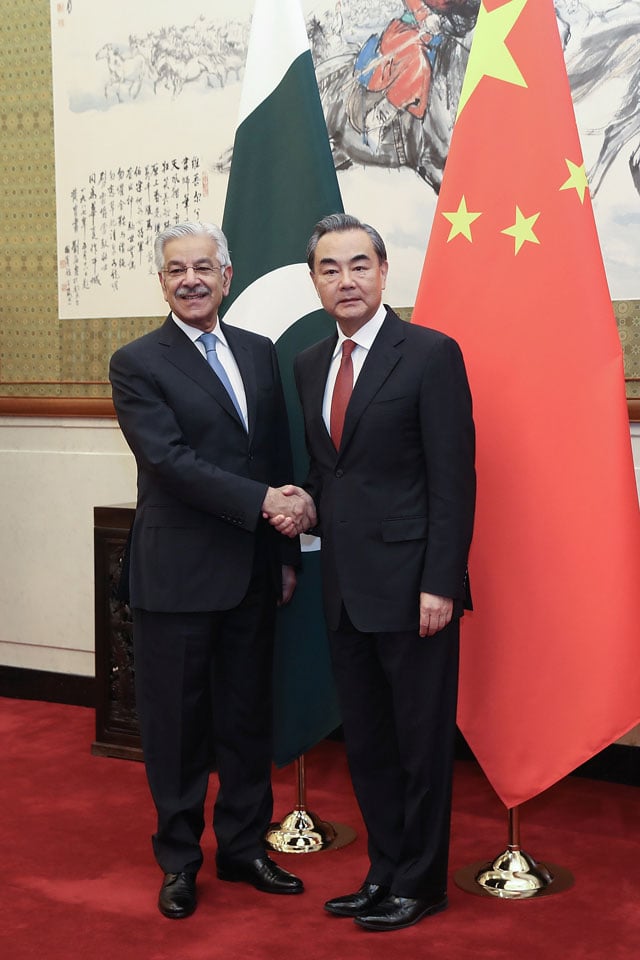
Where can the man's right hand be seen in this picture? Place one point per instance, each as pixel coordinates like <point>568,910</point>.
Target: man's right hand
<point>289,509</point>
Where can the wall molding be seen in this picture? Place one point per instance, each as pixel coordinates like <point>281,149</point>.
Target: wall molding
<point>103,407</point>
<point>56,407</point>
<point>619,763</point>
<point>20,683</point>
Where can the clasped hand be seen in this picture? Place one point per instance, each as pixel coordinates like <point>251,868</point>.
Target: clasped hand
<point>289,509</point>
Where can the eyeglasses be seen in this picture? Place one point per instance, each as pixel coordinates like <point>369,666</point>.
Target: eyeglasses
<point>201,270</point>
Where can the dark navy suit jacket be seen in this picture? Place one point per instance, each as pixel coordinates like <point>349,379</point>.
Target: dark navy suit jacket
<point>396,502</point>
<point>201,478</point>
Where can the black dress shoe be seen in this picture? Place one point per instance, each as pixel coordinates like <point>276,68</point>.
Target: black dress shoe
<point>263,874</point>
<point>177,895</point>
<point>369,895</point>
<point>394,913</point>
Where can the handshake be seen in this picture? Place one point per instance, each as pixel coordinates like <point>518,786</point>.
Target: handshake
<point>289,509</point>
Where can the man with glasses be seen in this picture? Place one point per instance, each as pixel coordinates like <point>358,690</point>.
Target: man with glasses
<point>200,404</point>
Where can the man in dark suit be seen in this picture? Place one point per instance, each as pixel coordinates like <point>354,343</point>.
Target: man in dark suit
<point>394,484</point>
<point>210,438</point>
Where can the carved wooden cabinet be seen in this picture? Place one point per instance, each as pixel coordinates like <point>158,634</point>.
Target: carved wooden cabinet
<point>117,730</point>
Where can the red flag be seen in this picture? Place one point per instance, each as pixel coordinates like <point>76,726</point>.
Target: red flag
<point>550,672</point>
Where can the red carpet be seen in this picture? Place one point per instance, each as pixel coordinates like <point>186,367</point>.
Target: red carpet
<point>79,880</point>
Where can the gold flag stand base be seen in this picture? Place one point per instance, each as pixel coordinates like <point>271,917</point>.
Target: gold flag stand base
<point>301,831</point>
<point>514,875</point>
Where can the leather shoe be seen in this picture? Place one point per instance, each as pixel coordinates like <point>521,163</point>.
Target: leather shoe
<point>369,895</point>
<point>395,913</point>
<point>263,874</point>
<point>177,897</point>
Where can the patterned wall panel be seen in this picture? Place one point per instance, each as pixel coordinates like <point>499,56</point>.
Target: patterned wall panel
<point>628,317</point>
<point>41,355</point>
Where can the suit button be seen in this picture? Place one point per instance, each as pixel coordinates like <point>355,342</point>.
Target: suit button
<point>339,473</point>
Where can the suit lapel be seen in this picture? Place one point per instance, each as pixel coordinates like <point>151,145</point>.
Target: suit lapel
<point>381,359</point>
<point>246,364</point>
<point>315,383</point>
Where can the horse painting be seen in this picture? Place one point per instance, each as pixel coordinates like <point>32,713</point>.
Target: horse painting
<point>400,139</point>
<point>612,52</point>
<point>125,73</point>
<point>365,127</point>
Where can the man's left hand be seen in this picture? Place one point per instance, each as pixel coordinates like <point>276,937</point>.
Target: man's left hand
<point>289,581</point>
<point>435,613</point>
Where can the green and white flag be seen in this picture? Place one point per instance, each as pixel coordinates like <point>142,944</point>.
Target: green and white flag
<point>282,181</point>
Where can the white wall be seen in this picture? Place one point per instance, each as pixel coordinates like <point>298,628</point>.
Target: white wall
<point>52,474</point>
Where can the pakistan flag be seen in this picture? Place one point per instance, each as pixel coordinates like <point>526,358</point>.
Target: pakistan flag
<point>282,181</point>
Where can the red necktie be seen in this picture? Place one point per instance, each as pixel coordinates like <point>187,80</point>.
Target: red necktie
<point>341,393</point>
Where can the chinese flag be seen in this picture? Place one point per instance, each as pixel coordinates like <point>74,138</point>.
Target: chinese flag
<point>550,668</point>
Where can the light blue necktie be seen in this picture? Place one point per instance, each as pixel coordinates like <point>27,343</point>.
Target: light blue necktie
<point>210,343</point>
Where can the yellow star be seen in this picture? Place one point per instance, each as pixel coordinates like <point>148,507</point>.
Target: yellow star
<point>577,179</point>
<point>490,56</point>
<point>522,229</point>
<point>461,220</point>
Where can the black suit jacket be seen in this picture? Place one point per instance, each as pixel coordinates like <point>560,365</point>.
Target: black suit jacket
<point>201,478</point>
<point>396,502</point>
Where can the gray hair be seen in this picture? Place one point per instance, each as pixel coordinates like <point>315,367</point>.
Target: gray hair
<point>339,223</point>
<point>192,229</point>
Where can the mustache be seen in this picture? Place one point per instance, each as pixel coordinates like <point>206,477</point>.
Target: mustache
<point>200,290</point>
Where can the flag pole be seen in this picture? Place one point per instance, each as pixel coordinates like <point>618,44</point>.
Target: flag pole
<point>514,875</point>
<point>301,830</point>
